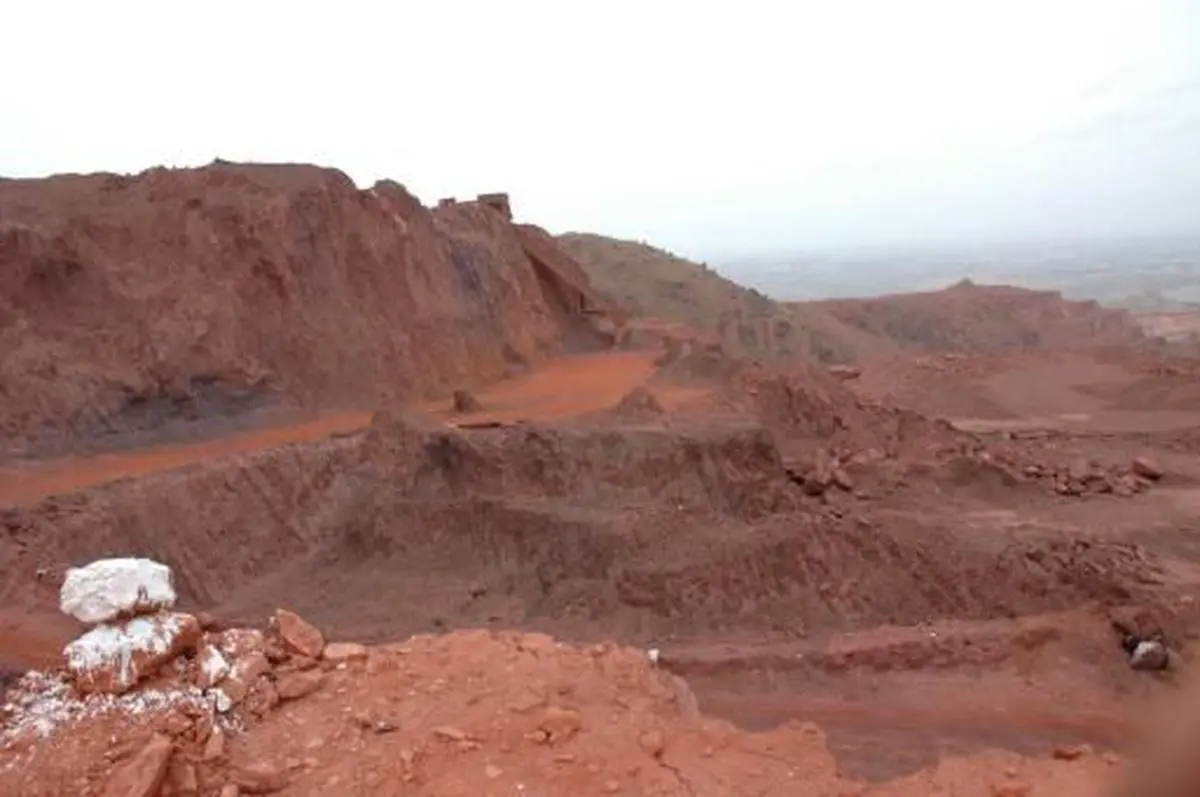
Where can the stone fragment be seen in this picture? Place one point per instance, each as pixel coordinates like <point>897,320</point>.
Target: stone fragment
<point>344,651</point>
<point>209,622</point>
<point>143,774</point>
<point>237,643</point>
<point>277,652</point>
<point>1147,468</point>
<point>243,675</point>
<point>212,666</point>
<point>1014,788</point>
<point>261,697</point>
<point>450,733</point>
<point>260,777</point>
<point>560,724</point>
<point>113,658</point>
<point>221,701</point>
<point>1070,752</point>
<point>295,685</point>
<point>299,635</point>
<point>112,589</point>
<point>214,748</point>
<point>1149,655</point>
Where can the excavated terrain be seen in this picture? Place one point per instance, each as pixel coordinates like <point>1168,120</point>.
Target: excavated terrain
<point>933,557</point>
<point>137,307</point>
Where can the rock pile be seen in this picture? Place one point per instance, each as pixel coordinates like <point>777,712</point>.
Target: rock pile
<point>465,401</point>
<point>170,673</point>
<point>1083,477</point>
<point>133,633</point>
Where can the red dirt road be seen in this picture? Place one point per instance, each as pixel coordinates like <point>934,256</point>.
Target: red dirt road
<point>560,387</point>
<point>32,482</point>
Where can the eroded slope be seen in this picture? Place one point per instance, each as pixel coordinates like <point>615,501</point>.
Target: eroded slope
<point>127,302</point>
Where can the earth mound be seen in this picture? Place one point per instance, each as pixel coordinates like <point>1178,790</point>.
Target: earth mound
<point>756,519</point>
<point>971,317</point>
<point>651,283</point>
<point>134,303</point>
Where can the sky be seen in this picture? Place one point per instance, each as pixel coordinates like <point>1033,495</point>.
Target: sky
<point>712,129</point>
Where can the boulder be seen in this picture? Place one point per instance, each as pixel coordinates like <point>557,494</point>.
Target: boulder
<point>112,658</point>
<point>300,636</point>
<point>1147,468</point>
<point>1149,655</point>
<point>295,685</point>
<point>112,589</point>
<point>244,674</point>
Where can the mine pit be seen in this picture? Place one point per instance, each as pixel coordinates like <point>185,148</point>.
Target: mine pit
<point>503,533</point>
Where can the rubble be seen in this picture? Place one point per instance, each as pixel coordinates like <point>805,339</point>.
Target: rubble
<point>159,669</point>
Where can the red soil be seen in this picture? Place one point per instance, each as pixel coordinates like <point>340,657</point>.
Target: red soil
<point>795,545</point>
<point>561,387</point>
<point>130,303</point>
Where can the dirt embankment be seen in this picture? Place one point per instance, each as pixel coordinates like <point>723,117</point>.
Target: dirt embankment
<point>758,519</point>
<point>653,284</point>
<point>132,303</point>
<point>463,714</point>
<point>970,317</point>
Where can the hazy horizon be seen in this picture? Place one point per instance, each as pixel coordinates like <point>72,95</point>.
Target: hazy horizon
<point>724,131</point>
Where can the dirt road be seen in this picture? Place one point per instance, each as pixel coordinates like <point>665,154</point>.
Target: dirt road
<point>559,387</point>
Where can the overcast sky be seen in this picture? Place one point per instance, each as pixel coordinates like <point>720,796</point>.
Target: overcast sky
<point>709,128</point>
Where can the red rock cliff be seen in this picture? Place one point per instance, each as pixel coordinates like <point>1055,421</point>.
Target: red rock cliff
<point>125,299</point>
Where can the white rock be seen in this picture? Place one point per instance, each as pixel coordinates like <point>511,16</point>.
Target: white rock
<point>213,666</point>
<point>654,654</point>
<point>1148,655</point>
<point>113,658</point>
<point>221,700</point>
<point>108,589</point>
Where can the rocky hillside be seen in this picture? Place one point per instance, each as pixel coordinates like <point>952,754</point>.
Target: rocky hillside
<point>965,317</point>
<point>970,317</point>
<point>129,301</point>
<point>650,282</point>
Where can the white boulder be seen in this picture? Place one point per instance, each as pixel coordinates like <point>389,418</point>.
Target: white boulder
<point>110,589</point>
<point>1149,655</point>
